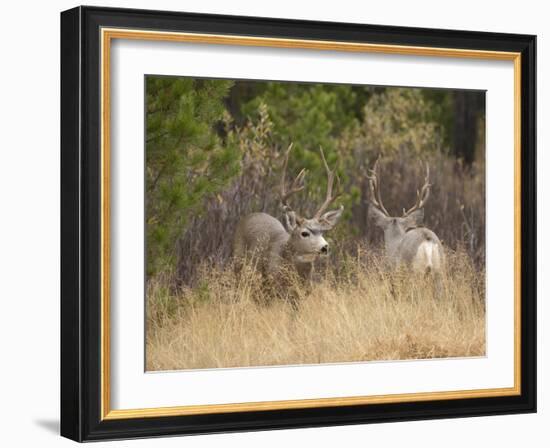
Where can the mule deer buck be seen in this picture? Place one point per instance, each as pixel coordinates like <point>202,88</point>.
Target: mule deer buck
<point>407,241</point>
<point>300,240</point>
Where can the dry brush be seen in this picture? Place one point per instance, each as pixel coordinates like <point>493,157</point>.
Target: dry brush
<point>359,312</point>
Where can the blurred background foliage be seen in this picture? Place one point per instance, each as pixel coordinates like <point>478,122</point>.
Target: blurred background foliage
<point>213,154</point>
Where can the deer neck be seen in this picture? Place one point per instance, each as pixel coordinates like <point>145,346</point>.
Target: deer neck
<point>392,240</point>
<point>304,268</point>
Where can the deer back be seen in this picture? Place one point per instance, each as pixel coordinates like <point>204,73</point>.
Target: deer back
<point>261,235</point>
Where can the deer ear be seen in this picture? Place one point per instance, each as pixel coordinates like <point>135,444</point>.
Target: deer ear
<point>330,219</point>
<point>291,220</point>
<point>415,219</point>
<point>379,218</point>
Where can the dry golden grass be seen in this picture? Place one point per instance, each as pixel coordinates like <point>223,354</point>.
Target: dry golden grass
<point>362,313</point>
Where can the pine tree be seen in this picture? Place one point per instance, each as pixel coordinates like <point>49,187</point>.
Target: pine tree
<point>186,159</point>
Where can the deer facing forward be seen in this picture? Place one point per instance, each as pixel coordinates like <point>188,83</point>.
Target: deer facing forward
<point>300,240</point>
<point>407,241</point>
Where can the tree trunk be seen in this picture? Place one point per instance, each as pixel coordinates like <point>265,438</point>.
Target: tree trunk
<point>468,107</point>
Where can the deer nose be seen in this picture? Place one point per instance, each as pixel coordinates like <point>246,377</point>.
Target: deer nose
<point>324,249</point>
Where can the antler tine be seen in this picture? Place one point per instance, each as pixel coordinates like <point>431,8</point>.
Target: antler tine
<point>374,185</point>
<point>297,185</point>
<point>422,195</point>
<point>330,197</point>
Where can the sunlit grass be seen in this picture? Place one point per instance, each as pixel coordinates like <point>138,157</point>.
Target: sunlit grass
<point>363,312</point>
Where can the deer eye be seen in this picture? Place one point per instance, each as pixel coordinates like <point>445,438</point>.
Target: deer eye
<point>305,234</point>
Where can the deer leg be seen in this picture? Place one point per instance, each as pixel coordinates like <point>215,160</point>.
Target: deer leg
<point>439,289</point>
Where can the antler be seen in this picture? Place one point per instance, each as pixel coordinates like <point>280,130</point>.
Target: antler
<point>330,198</point>
<point>374,184</point>
<point>297,185</point>
<point>422,195</point>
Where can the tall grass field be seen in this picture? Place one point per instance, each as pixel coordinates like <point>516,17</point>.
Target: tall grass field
<point>364,312</point>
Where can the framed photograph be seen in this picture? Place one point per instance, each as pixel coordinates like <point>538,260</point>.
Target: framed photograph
<point>277,224</point>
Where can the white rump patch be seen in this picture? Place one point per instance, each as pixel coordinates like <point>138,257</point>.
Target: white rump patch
<point>428,257</point>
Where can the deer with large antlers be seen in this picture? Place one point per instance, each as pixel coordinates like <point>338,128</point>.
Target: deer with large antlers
<point>299,241</point>
<point>407,241</point>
